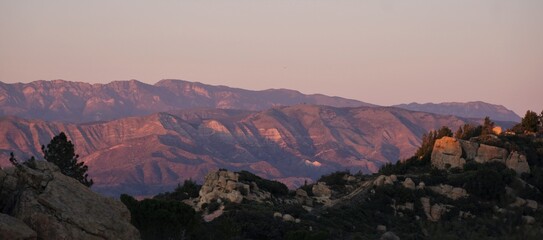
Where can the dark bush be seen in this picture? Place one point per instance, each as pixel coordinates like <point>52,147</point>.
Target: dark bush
<point>160,219</point>
<point>274,187</point>
<point>189,189</point>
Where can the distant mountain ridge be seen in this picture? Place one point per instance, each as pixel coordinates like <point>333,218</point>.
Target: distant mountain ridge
<point>476,109</point>
<point>149,154</point>
<point>66,101</point>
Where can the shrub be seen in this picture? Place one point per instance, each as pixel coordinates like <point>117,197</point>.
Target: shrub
<point>189,189</point>
<point>274,187</point>
<point>160,219</point>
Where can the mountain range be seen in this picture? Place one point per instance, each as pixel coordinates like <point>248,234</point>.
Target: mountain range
<point>143,139</point>
<point>145,155</point>
<point>476,109</point>
<point>67,101</point>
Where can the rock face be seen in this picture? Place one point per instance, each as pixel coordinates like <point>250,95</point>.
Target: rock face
<point>447,152</point>
<point>55,206</point>
<point>452,152</point>
<point>15,229</point>
<point>487,153</point>
<point>518,162</point>
<point>224,184</point>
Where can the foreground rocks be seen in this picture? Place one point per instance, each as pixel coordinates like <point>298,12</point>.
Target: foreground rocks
<point>13,228</point>
<point>450,152</point>
<point>43,203</point>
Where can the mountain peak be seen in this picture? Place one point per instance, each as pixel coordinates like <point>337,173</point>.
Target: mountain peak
<point>82,102</point>
<point>474,109</point>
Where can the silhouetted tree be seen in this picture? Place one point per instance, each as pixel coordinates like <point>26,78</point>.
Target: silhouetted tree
<point>428,140</point>
<point>530,121</point>
<point>189,189</point>
<point>61,152</point>
<point>444,132</point>
<point>16,162</point>
<point>488,125</point>
<point>468,131</point>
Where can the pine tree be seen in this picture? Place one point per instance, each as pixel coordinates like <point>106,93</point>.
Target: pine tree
<point>530,121</point>
<point>61,152</point>
<point>488,126</point>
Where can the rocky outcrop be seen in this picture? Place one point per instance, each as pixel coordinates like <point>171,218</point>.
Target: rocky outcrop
<point>521,202</point>
<point>59,207</point>
<point>15,229</point>
<point>469,149</point>
<point>385,180</point>
<point>449,191</point>
<point>409,184</point>
<point>321,190</point>
<point>433,212</point>
<point>487,153</point>
<point>450,152</point>
<point>225,185</point>
<point>518,163</point>
<point>303,198</point>
<point>447,153</point>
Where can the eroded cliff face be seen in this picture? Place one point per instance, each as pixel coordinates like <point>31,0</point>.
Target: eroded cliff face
<point>39,202</point>
<point>151,154</point>
<point>450,152</point>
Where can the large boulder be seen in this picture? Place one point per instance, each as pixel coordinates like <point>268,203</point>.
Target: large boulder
<point>59,207</point>
<point>224,184</point>
<point>433,212</point>
<point>518,163</point>
<point>449,191</point>
<point>447,152</point>
<point>409,184</point>
<point>469,149</point>
<point>389,236</point>
<point>384,180</point>
<point>487,153</point>
<point>321,190</point>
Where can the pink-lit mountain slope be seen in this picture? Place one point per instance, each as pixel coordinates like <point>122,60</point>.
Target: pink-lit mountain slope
<point>149,154</point>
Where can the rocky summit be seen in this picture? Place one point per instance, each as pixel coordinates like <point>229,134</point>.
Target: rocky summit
<point>450,152</point>
<point>38,202</point>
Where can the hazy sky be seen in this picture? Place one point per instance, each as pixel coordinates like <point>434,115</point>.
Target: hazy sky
<point>384,52</point>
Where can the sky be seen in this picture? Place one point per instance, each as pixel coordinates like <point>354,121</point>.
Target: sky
<point>383,52</point>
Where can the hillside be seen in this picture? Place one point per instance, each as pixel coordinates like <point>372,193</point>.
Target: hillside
<point>66,101</point>
<point>467,110</point>
<point>482,192</point>
<point>146,155</point>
